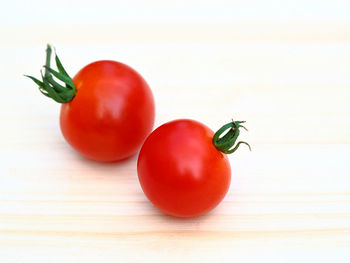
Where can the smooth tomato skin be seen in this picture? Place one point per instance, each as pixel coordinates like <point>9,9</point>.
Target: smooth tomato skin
<point>111,114</point>
<point>180,170</point>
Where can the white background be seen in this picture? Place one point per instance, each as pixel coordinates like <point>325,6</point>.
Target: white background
<point>283,66</point>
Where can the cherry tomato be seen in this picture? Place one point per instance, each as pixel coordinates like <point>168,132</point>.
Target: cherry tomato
<point>107,108</point>
<point>181,171</point>
<point>111,114</point>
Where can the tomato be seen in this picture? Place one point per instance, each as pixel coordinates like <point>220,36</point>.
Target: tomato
<point>111,114</point>
<point>107,108</point>
<point>181,171</point>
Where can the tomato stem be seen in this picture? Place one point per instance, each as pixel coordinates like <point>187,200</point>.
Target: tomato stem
<point>48,59</point>
<point>226,143</point>
<point>50,87</point>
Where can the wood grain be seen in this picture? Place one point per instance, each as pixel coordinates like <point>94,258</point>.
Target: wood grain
<point>282,67</point>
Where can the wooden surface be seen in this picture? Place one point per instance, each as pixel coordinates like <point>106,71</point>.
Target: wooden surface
<point>284,67</point>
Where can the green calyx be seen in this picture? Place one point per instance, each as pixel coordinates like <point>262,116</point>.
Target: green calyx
<point>226,143</point>
<point>50,87</point>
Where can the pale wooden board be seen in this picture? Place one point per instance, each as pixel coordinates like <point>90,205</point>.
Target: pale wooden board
<point>282,66</point>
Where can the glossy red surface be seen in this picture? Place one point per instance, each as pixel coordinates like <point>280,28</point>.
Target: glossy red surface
<point>111,114</point>
<point>181,171</point>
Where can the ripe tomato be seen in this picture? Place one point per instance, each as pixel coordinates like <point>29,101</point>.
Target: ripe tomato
<point>181,171</point>
<point>111,114</point>
<point>107,108</point>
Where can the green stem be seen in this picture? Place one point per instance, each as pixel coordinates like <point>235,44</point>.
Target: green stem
<point>226,143</point>
<point>48,60</point>
<point>51,88</point>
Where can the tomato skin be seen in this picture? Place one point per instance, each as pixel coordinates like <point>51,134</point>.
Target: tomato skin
<point>180,170</point>
<point>111,114</point>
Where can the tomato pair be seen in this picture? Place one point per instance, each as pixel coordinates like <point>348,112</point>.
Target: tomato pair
<point>107,113</point>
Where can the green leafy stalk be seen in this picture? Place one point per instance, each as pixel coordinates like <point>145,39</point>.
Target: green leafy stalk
<point>49,86</point>
<point>226,143</point>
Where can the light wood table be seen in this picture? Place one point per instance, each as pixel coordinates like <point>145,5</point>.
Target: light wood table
<point>282,67</point>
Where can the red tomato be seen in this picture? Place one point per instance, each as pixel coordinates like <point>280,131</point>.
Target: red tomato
<point>107,108</point>
<point>181,171</point>
<point>111,114</point>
